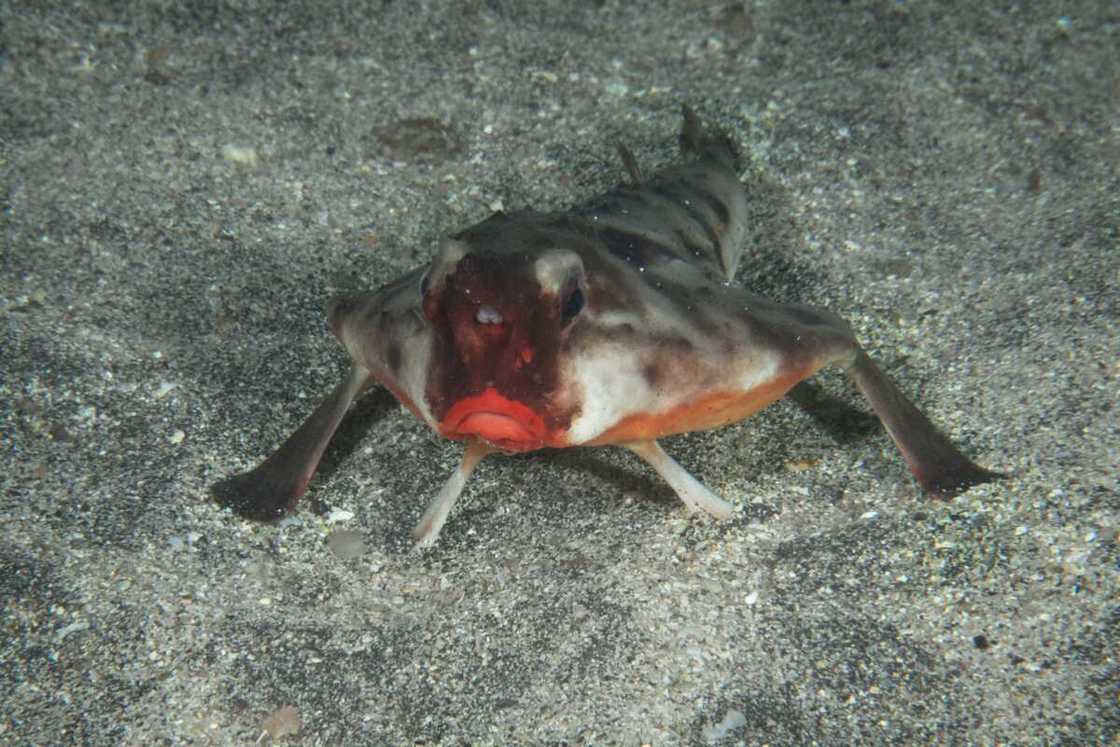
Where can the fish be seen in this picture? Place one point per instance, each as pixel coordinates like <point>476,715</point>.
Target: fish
<point>614,323</point>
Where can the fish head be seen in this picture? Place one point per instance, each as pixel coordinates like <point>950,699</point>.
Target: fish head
<point>501,314</point>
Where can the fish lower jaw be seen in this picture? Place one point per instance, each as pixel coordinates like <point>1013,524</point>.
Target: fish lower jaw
<point>502,422</point>
<point>498,430</point>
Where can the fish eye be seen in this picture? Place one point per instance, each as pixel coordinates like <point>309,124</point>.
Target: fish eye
<point>425,282</point>
<point>573,304</point>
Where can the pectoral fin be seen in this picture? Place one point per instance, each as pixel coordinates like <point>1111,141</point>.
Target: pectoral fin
<point>273,487</point>
<point>938,466</point>
<point>688,488</point>
<point>427,530</point>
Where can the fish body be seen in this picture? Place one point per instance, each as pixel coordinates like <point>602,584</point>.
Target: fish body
<point>614,323</point>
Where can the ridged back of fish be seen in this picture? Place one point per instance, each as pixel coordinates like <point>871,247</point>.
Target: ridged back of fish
<point>695,212</point>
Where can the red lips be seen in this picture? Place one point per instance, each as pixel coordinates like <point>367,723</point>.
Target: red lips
<point>496,419</point>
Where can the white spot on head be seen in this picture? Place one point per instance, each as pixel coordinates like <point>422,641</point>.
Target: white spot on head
<point>488,315</point>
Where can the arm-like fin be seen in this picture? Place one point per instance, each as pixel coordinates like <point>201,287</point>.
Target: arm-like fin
<point>688,488</point>
<point>273,488</point>
<point>630,164</point>
<point>935,462</point>
<point>427,530</point>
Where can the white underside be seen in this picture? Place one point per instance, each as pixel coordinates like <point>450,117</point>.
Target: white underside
<point>612,387</point>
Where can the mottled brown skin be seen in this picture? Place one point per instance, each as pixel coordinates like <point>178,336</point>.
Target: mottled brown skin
<point>612,324</point>
<point>517,357</point>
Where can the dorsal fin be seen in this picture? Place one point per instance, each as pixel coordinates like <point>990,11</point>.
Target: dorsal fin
<point>692,131</point>
<point>630,164</point>
<point>695,141</point>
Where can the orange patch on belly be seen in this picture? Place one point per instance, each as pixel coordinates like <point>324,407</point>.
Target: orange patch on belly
<point>708,411</point>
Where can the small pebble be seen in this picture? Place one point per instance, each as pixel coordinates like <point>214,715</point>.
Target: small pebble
<point>282,722</point>
<point>338,515</point>
<point>240,155</point>
<point>76,627</point>
<point>732,721</point>
<point>346,543</point>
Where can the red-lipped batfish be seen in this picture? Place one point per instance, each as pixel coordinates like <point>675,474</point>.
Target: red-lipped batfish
<point>612,324</point>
